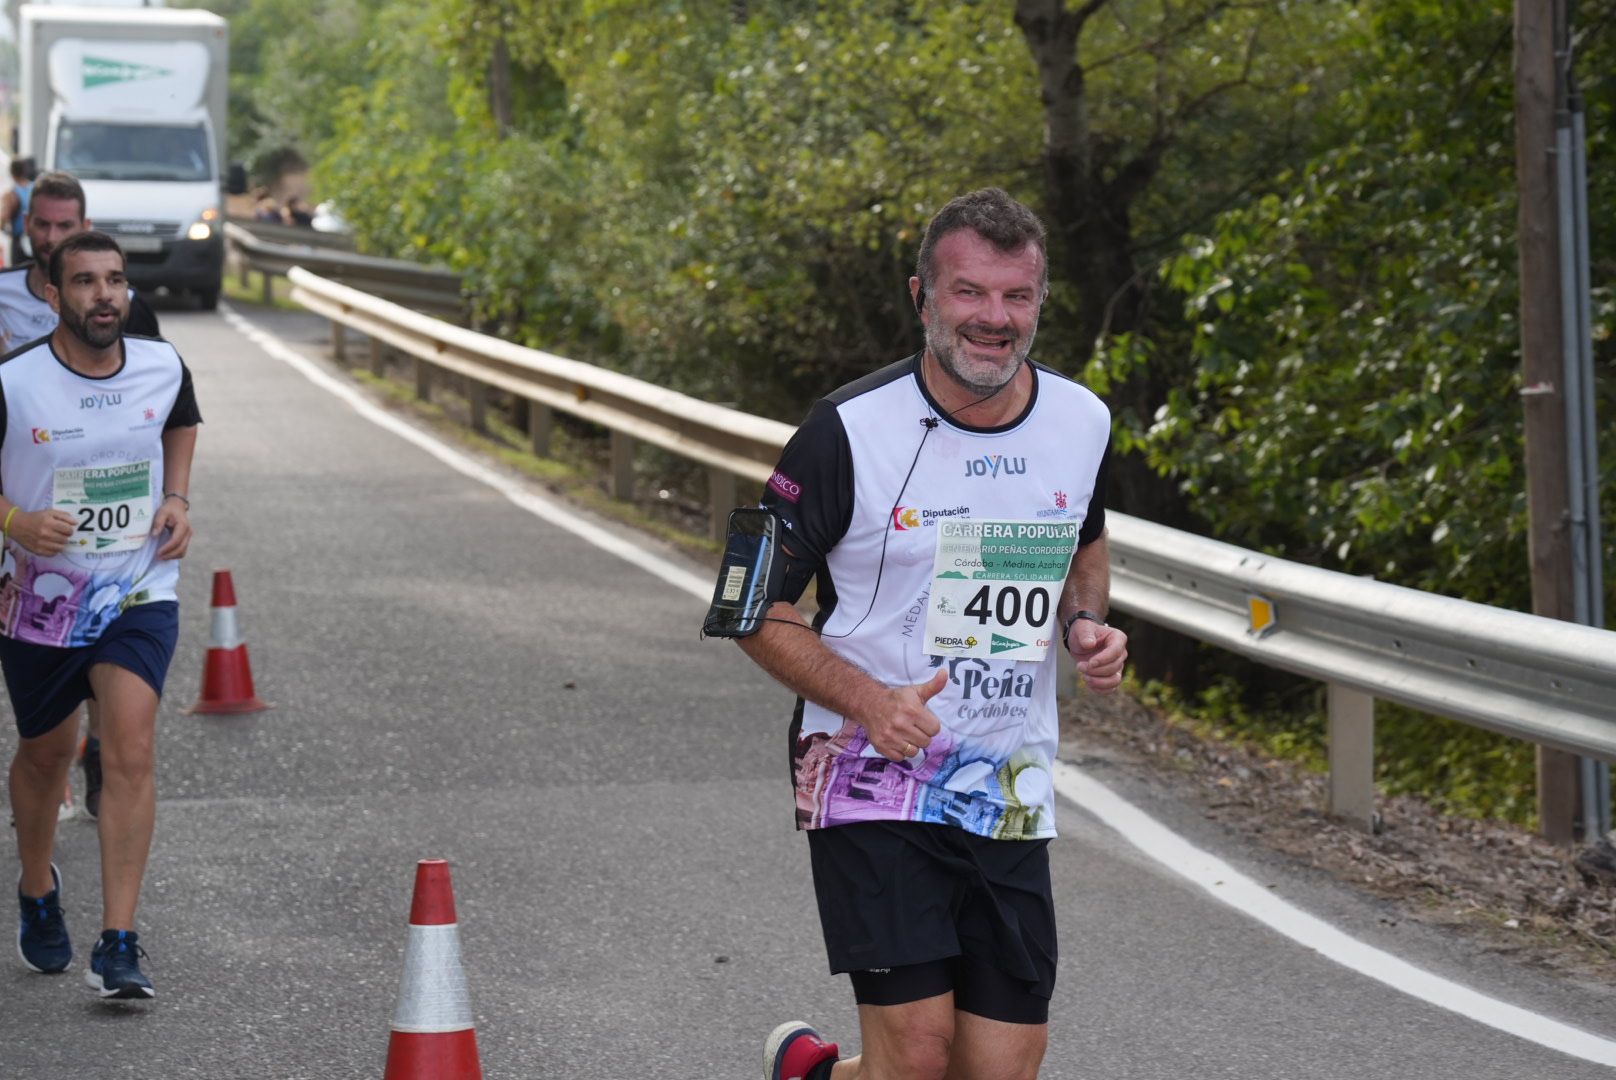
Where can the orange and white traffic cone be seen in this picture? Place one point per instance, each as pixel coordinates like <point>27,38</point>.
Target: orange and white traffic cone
<point>433,1037</point>
<point>227,683</point>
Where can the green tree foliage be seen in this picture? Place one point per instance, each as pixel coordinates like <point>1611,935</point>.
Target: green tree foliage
<point>1357,362</point>
<point>290,64</point>
<point>1282,230</point>
<point>727,198</point>
<point>1355,402</point>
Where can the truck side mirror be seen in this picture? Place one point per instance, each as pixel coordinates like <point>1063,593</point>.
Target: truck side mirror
<point>235,182</point>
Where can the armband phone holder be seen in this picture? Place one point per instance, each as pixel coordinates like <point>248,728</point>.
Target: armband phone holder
<point>750,578</point>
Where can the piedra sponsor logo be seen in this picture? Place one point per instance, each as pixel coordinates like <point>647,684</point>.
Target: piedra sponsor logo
<point>949,641</point>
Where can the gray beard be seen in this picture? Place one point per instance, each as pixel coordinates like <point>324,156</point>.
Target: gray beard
<point>940,341</point>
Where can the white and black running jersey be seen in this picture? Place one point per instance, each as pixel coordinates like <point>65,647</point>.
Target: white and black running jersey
<point>26,316</point>
<point>861,488</point>
<point>93,448</point>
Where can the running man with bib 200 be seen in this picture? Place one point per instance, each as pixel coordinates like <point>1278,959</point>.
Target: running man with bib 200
<point>97,431</point>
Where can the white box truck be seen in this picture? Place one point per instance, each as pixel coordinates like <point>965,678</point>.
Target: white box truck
<point>132,103</point>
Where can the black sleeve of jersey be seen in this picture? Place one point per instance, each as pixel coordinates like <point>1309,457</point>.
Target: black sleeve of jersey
<point>142,319</point>
<point>184,413</point>
<point>812,491</point>
<point>1094,521</point>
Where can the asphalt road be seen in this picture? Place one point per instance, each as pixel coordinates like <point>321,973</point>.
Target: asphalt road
<point>455,678</point>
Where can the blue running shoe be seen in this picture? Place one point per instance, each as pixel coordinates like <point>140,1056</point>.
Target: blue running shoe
<point>41,931</point>
<point>115,967</point>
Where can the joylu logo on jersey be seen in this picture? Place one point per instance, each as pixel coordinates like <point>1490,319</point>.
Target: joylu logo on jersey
<point>995,465</point>
<point>100,401</point>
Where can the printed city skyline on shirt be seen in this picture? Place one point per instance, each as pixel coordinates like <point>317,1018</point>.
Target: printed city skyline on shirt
<point>990,783</point>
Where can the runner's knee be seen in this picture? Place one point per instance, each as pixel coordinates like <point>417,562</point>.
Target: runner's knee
<point>131,755</point>
<point>907,1048</point>
<point>921,1058</point>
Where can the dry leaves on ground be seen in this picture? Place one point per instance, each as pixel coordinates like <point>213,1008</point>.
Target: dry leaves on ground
<point>1513,890</point>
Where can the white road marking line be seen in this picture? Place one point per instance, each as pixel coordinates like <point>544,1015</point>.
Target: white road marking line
<point>1175,853</point>
<point>1245,895</point>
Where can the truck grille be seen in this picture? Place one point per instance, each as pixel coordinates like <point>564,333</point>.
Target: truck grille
<point>160,229</point>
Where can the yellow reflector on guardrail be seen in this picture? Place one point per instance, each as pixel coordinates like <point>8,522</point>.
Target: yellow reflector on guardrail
<point>1262,614</point>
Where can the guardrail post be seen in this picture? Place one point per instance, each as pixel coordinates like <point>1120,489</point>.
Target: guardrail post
<point>477,400</point>
<point>423,379</point>
<point>339,342</point>
<point>269,288</point>
<point>721,500</point>
<point>622,466</point>
<point>1352,756</point>
<point>540,424</point>
<point>243,270</point>
<point>378,358</point>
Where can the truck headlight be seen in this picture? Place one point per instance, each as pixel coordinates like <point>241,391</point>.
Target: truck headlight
<point>202,227</point>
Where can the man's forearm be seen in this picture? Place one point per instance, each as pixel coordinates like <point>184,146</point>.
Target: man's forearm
<point>1088,583</point>
<point>792,653</point>
<point>179,446</point>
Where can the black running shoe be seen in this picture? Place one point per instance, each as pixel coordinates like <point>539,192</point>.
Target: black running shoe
<point>42,931</point>
<point>115,967</point>
<point>90,762</point>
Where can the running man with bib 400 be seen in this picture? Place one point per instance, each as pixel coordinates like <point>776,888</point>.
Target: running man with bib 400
<point>97,431</point>
<point>951,508</point>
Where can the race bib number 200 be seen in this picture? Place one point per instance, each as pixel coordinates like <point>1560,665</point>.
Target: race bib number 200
<point>995,586</point>
<point>111,507</point>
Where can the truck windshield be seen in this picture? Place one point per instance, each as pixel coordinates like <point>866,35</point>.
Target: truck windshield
<point>92,151</point>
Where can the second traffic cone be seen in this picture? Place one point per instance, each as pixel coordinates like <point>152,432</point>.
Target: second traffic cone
<point>433,1037</point>
<point>227,684</point>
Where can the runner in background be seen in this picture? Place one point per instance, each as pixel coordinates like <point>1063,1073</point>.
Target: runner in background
<point>14,206</point>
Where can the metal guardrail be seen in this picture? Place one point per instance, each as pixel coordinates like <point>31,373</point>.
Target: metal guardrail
<point>730,443</point>
<point>1529,677</point>
<point>294,235</point>
<point>424,288</point>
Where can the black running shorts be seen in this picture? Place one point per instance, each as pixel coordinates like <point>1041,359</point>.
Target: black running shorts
<point>911,910</point>
<point>47,684</point>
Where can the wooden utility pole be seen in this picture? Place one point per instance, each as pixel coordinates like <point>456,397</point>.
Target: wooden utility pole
<point>1542,367</point>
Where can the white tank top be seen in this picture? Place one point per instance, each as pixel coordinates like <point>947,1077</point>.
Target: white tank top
<point>93,448</point>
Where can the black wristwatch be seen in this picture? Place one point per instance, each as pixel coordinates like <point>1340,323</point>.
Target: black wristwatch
<point>1066,627</point>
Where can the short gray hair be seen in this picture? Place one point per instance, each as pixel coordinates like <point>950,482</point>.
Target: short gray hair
<point>993,215</point>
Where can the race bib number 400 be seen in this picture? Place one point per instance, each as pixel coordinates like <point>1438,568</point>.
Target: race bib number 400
<point>995,586</point>
<point>111,507</point>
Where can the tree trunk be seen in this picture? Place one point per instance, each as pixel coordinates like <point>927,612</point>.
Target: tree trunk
<point>1092,246</point>
<point>1548,498</point>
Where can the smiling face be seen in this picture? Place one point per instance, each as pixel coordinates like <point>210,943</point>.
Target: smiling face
<point>93,299</point>
<point>981,314</point>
